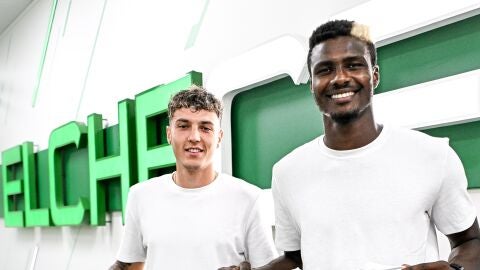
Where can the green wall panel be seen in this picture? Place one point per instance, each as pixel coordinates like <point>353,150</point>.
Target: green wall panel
<point>267,123</point>
<point>439,53</point>
<point>465,139</point>
<point>271,120</point>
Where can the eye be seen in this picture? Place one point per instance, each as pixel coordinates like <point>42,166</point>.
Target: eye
<point>206,129</point>
<point>323,70</point>
<point>355,65</point>
<point>182,126</point>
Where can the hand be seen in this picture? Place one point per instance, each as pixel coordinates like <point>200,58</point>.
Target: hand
<point>243,266</point>
<point>440,265</point>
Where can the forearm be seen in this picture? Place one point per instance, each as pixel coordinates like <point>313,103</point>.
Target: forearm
<point>467,254</point>
<point>280,263</point>
<point>118,265</point>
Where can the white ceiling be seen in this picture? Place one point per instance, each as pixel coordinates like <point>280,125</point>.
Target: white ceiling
<point>9,10</point>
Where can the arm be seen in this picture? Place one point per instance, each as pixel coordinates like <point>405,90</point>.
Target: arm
<point>118,265</point>
<point>466,247</point>
<point>453,206</point>
<point>465,251</point>
<point>131,248</point>
<point>290,260</point>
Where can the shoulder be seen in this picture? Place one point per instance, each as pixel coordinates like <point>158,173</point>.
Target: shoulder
<point>297,155</point>
<point>418,140</point>
<point>416,147</point>
<point>305,149</point>
<point>239,187</point>
<point>150,185</point>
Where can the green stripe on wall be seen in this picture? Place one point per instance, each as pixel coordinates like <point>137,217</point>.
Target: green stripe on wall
<point>44,52</point>
<point>92,54</point>
<point>446,51</point>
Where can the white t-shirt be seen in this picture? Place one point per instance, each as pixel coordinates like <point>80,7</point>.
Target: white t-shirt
<point>170,227</point>
<point>375,204</point>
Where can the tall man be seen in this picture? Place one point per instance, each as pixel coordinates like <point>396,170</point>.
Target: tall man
<point>194,218</point>
<point>363,193</point>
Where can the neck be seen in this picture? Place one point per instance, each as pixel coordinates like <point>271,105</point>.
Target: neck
<point>194,178</point>
<point>354,134</point>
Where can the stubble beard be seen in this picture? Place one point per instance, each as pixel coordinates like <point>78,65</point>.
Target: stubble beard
<point>342,118</point>
<point>345,118</point>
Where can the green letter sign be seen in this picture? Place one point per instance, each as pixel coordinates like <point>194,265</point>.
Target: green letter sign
<point>90,169</point>
<point>71,133</point>
<point>18,181</point>
<point>33,216</point>
<point>12,187</point>
<point>103,167</point>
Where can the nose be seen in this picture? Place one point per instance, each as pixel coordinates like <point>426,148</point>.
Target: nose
<point>341,78</point>
<point>194,135</point>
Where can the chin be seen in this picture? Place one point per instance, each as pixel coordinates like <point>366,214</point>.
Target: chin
<point>192,167</point>
<point>344,118</point>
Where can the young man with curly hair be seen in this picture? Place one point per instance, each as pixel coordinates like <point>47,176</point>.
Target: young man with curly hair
<point>194,218</point>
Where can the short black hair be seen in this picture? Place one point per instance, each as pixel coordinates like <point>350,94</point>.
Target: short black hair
<point>333,29</point>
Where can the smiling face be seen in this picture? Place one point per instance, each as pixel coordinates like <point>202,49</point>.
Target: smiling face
<point>194,136</point>
<point>343,78</point>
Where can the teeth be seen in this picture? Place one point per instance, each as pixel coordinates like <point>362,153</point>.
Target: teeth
<point>343,95</point>
<point>194,150</point>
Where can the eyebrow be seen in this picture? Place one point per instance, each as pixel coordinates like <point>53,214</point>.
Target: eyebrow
<point>183,120</point>
<point>346,59</point>
<point>353,58</point>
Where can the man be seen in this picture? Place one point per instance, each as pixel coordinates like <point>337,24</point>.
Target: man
<point>364,195</point>
<point>194,218</point>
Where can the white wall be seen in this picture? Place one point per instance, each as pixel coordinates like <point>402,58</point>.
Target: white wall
<point>93,61</point>
<point>140,44</point>
<point>102,51</point>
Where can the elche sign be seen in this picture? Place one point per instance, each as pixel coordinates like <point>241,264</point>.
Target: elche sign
<point>142,148</point>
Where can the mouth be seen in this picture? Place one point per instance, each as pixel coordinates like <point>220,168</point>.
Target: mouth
<point>194,150</point>
<point>342,95</point>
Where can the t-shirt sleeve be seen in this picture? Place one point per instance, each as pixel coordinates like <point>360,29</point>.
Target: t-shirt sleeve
<point>453,211</point>
<point>132,248</point>
<point>287,235</point>
<point>260,249</point>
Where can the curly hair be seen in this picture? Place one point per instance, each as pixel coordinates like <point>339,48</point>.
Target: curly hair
<point>195,98</point>
<point>337,28</point>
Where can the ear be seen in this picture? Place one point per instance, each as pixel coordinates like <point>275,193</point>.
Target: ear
<point>376,76</point>
<point>220,137</point>
<point>169,135</point>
